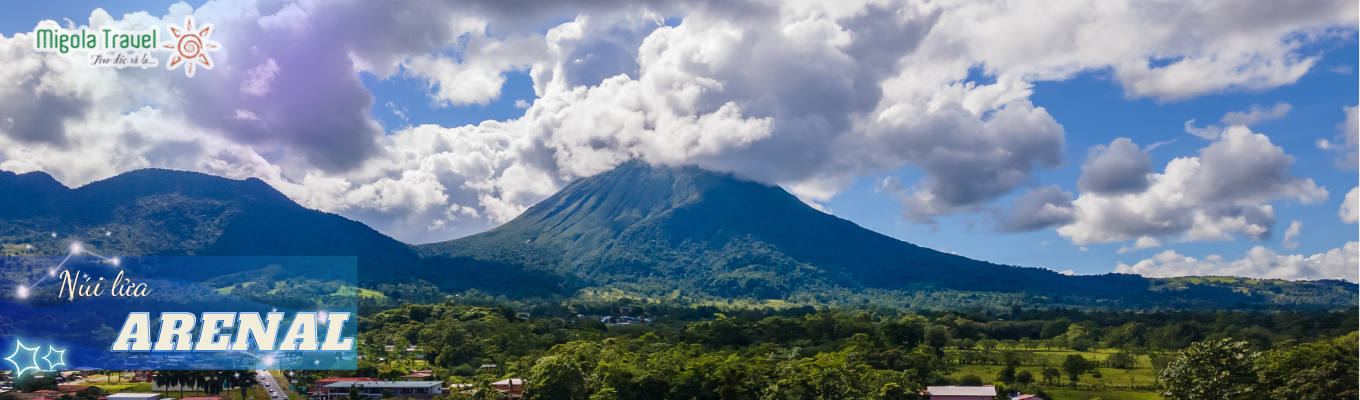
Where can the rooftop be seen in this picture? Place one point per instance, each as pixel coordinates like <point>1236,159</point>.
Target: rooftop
<point>345,379</point>
<point>385,384</point>
<point>961,390</point>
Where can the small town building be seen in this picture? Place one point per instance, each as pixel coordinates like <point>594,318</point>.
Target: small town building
<point>320,384</point>
<point>423,390</point>
<point>513,387</point>
<point>134,396</point>
<point>419,375</point>
<point>72,388</point>
<point>961,392</point>
<point>41,394</point>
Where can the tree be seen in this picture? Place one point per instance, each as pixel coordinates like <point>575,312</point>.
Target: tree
<point>29,382</point>
<point>1024,378</point>
<point>1124,360</point>
<point>731,381</point>
<point>1321,370</point>
<point>965,344</point>
<point>908,332</point>
<point>1051,375</point>
<point>1212,369</point>
<point>1040,393</point>
<point>970,380</point>
<point>937,337</point>
<point>1075,365</point>
<point>508,313</point>
<point>894,391</point>
<point>486,391</point>
<point>182,379</point>
<point>1121,360</point>
<point>210,382</point>
<point>244,380</point>
<point>90,393</point>
<point>1002,391</point>
<point>556,377</point>
<point>355,395</point>
<point>1007,374</point>
<point>164,380</point>
<point>607,394</point>
<point>401,346</point>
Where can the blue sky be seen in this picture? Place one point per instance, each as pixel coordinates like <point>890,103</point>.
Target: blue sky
<point>1094,111</point>
<point>795,115</point>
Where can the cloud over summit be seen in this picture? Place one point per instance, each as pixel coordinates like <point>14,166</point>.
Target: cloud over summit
<point>809,95</point>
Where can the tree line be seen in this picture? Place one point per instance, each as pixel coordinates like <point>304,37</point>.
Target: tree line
<point>690,352</point>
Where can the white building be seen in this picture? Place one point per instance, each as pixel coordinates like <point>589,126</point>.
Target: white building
<point>134,396</point>
<point>961,392</point>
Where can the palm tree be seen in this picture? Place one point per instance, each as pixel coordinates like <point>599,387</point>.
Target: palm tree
<point>182,378</point>
<point>164,379</point>
<point>245,381</point>
<point>731,379</point>
<point>200,380</point>
<point>210,382</point>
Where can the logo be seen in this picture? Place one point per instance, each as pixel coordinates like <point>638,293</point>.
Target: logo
<point>109,46</point>
<point>190,47</point>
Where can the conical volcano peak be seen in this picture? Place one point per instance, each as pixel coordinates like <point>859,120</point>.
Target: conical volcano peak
<point>708,233</point>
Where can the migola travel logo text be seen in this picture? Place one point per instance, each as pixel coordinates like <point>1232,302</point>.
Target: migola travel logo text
<point>110,47</point>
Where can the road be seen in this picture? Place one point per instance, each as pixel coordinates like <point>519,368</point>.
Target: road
<point>266,379</point>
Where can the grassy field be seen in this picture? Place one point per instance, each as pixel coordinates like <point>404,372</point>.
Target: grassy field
<point>123,387</point>
<point>1101,394</point>
<point>1111,378</point>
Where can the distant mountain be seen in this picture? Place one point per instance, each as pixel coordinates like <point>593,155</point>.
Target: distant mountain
<point>661,230</point>
<point>639,229</point>
<point>165,212</point>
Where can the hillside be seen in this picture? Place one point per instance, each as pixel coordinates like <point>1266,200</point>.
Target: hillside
<point>638,230</point>
<point>663,231</point>
<point>164,212</point>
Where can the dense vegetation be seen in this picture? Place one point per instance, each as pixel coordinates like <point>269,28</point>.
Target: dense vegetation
<point>870,352</point>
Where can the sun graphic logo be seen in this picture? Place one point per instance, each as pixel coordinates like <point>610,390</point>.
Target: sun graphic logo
<point>190,47</point>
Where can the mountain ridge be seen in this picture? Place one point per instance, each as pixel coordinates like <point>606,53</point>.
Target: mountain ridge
<point>662,229</point>
<point>639,229</point>
<point>169,212</point>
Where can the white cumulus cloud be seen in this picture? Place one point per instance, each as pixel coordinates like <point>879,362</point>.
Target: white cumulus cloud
<point>1259,262</point>
<point>809,95</point>
<point>1222,192</point>
<point>1291,235</point>
<point>1350,207</point>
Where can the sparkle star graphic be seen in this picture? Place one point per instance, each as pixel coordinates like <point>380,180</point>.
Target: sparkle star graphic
<point>191,47</point>
<point>28,353</point>
<point>61,358</point>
